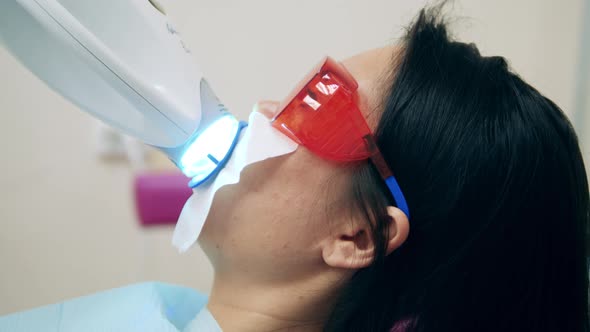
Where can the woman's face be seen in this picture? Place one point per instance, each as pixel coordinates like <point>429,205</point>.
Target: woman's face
<point>276,222</point>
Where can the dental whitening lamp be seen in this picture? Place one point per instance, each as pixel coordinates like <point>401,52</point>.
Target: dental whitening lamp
<point>123,62</point>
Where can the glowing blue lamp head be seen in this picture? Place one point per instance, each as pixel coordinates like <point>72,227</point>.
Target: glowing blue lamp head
<point>209,148</point>
<point>209,151</point>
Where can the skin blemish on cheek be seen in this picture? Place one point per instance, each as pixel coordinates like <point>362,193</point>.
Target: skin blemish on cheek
<point>275,197</point>
<point>268,236</point>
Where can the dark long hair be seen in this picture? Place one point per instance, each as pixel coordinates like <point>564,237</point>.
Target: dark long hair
<point>495,181</point>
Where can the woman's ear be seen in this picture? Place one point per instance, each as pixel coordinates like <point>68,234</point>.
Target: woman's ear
<point>399,228</point>
<point>352,246</point>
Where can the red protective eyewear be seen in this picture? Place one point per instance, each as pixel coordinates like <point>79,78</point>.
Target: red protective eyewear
<point>321,114</point>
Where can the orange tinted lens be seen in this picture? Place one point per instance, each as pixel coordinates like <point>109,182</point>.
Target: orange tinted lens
<point>322,115</point>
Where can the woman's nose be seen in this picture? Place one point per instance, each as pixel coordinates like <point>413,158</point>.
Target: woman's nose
<point>268,108</point>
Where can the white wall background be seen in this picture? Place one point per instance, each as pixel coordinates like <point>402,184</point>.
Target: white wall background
<point>582,101</point>
<point>67,224</point>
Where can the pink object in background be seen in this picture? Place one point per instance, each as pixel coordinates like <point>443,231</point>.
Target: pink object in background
<point>159,197</point>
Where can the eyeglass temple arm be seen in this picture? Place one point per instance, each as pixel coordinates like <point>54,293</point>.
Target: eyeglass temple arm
<point>387,175</point>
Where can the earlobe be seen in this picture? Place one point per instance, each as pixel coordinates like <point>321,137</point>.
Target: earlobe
<point>399,229</point>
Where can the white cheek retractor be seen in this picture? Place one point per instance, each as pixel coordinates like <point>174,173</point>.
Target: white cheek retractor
<point>259,141</point>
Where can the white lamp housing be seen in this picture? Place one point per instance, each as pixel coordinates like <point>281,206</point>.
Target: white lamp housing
<point>123,62</point>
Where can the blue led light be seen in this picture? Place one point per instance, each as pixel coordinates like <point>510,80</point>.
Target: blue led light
<point>202,157</point>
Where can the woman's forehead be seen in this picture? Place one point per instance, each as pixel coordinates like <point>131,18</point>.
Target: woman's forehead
<point>371,64</point>
<point>372,71</point>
